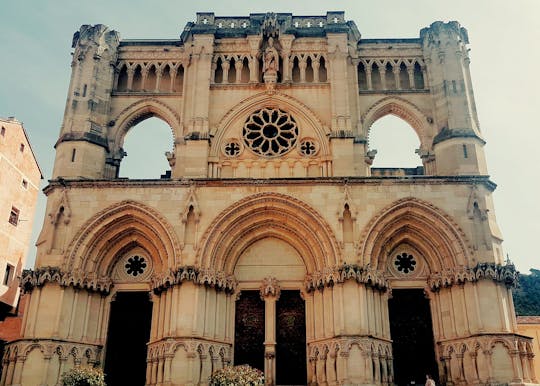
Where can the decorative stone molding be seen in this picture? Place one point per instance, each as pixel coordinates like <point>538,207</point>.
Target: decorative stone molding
<point>19,350</point>
<point>333,275</point>
<point>505,274</point>
<point>77,279</point>
<point>270,287</point>
<point>201,276</point>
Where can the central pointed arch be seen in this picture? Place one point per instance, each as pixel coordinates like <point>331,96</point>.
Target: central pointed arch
<point>269,215</point>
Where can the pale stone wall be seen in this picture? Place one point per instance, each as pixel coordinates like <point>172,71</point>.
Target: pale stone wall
<point>271,190</point>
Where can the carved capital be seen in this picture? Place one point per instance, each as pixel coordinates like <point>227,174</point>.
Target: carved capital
<point>270,288</point>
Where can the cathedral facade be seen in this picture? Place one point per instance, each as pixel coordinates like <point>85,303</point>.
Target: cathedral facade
<point>272,241</point>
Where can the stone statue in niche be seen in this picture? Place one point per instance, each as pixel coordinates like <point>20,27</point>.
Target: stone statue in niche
<point>270,62</point>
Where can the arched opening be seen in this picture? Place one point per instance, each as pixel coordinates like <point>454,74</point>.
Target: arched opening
<point>151,79</point>
<point>145,145</point>
<point>323,76</point>
<point>231,77</point>
<point>218,74</point>
<point>376,77</point>
<point>122,79</point>
<point>396,143</point>
<point>245,71</point>
<point>404,82</point>
<point>309,70</point>
<point>137,79</point>
<point>179,79</point>
<point>165,81</point>
<point>296,70</point>
<point>362,77</point>
<point>418,77</point>
<point>390,79</point>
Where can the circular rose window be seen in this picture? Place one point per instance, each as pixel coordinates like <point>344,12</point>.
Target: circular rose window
<point>270,132</point>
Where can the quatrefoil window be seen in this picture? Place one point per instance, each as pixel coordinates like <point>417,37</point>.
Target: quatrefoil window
<point>232,148</point>
<point>270,132</point>
<point>135,265</point>
<point>405,262</point>
<point>309,147</point>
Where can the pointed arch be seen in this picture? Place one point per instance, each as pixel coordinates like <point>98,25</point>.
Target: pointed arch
<point>114,231</point>
<point>299,110</point>
<point>420,224</point>
<point>138,112</point>
<point>403,109</point>
<point>268,215</point>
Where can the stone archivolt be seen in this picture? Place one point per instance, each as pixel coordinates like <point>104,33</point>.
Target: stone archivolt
<point>122,223</point>
<point>264,215</point>
<point>423,225</point>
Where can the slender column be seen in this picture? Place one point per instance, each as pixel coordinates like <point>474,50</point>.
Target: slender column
<point>130,73</point>
<point>159,73</point>
<point>530,358</point>
<point>213,72</point>
<point>238,65</point>
<point>524,366</point>
<point>172,73</point>
<point>390,367</point>
<point>461,375</point>
<point>518,376</point>
<point>313,364</point>
<point>17,373</point>
<point>45,369</point>
<point>424,75</point>
<point>225,65</point>
<point>330,368</point>
<point>149,363</point>
<point>474,358</point>
<point>143,79</point>
<point>396,69</point>
<point>302,65</point>
<point>448,366</point>
<point>270,292</point>
<point>410,71</point>
<point>341,367</point>
<point>315,65</point>
<point>376,361</point>
<point>382,74</point>
<point>487,355</point>
<point>368,77</point>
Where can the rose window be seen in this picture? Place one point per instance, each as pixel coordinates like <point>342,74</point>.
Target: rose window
<point>308,147</point>
<point>270,132</point>
<point>405,262</point>
<point>135,265</point>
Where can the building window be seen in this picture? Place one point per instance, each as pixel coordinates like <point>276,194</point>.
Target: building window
<point>24,184</point>
<point>21,148</point>
<point>465,154</point>
<point>8,274</point>
<point>14,216</point>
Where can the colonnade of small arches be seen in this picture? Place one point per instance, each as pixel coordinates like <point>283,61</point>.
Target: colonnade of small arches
<point>391,74</point>
<point>297,68</point>
<point>164,77</point>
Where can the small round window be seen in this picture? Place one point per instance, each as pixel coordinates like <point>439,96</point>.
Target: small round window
<point>270,132</point>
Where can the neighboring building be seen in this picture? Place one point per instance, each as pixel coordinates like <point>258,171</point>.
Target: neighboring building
<point>530,326</point>
<point>274,242</point>
<point>20,177</point>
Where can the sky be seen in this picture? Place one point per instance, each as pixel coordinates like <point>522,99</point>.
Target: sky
<point>35,47</point>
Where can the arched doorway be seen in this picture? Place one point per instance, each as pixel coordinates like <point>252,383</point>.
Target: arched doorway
<point>127,338</point>
<point>411,330</point>
<point>270,315</point>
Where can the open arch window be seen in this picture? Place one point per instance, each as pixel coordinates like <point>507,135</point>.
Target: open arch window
<point>144,149</point>
<point>395,142</point>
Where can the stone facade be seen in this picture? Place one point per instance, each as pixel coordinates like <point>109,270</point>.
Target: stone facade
<point>20,177</point>
<point>272,190</point>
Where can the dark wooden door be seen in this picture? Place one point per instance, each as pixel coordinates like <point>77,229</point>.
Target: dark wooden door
<point>412,335</point>
<point>291,339</point>
<point>127,338</point>
<point>249,330</point>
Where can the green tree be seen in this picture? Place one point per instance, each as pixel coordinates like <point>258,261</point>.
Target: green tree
<point>527,296</point>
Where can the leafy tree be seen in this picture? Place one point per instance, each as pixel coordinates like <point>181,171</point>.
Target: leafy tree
<point>527,296</point>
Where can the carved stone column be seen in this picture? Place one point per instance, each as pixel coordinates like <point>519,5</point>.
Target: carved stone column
<point>368,78</point>
<point>518,375</point>
<point>270,292</point>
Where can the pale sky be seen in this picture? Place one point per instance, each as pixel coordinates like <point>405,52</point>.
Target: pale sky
<point>35,47</point>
